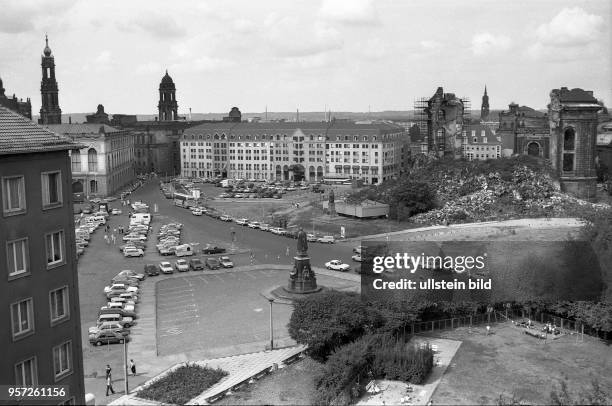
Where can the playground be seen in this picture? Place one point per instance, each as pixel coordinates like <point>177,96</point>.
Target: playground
<point>506,361</point>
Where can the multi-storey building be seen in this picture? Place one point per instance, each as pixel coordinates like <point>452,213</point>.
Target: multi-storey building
<point>292,151</point>
<point>480,143</point>
<point>524,131</point>
<point>17,105</point>
<point>41,339</point>
<point>105,164</point>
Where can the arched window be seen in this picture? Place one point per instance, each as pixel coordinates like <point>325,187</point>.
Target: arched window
<point>75,159</point>
<point>92,160</point>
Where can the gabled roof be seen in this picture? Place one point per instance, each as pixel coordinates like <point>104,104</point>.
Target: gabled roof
<point>85,128</point>
<point>489,135</point>
<point>18,135</point>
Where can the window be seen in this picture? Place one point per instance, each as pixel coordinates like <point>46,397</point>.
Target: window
<point>25,373</point>
<point>13,192</point>
<point>58,303</point>
<point>75,159</point>
<point>62,362</point>
<point>92,160</point>
<point>52,189</point>
<point>569,140</point>
<point>54,245</point>
<point>17,257</point>
<point>22,315</point>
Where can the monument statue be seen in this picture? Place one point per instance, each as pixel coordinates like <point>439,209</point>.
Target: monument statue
<point>302,243</point>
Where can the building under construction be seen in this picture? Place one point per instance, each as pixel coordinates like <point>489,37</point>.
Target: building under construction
<point>440,119</point>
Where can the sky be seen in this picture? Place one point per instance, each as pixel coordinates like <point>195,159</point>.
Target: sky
<point>311,55</point>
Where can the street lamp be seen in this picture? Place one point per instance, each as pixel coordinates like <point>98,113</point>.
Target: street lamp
<point>271,325</point>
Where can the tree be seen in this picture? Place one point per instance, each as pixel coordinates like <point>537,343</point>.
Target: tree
<point>412,197</point>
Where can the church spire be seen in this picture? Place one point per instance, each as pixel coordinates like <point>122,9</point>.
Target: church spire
<point>50,112</point>
<point>484,109</point>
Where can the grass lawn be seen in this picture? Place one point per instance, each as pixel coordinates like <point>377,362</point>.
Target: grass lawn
<point>510,362</point>
<point>292,385</point>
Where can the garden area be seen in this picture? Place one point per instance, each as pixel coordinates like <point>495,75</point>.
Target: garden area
<point>182,384</point>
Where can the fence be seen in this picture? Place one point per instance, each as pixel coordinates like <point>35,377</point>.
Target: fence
<point>455,322</point>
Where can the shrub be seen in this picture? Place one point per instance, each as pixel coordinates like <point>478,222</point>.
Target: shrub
<point>330,319</point>
<point>183,384</point>
<point>395,359</point>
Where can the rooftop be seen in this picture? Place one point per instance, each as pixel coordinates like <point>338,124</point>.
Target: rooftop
<point>80,129</point>
<point>18,135</point>
<point>333,127</point>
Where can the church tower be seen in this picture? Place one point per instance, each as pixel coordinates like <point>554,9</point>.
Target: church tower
<point>484,109</point>
<point>50,112</point>
<point>167,106</point>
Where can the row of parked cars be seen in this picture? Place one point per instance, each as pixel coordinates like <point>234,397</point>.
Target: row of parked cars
<point>136,235</point>
<point>195,264</point>
<point>87,226</point>
<point>118,315</point>
<point>326,239</point>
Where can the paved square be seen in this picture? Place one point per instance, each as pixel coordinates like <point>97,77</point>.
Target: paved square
<point>203,311</point>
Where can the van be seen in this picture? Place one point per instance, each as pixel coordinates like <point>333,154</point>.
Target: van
<point>183,250</point>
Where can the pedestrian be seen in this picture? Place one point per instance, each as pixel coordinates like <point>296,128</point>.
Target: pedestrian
<point>114,239</point>
<point>106,238</point>
<point>133,367</point>
<point>108,370</point>
<point>287,251</point>
<point>114,231</point>
<point>109,384</point>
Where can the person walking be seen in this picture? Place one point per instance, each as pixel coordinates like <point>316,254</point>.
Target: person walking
<point>133,367</point>
<point>108,370</point>
<point>287,251</point>
<point>109,384</point>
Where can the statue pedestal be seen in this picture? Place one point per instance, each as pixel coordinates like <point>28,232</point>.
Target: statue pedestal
<point>302,279</point>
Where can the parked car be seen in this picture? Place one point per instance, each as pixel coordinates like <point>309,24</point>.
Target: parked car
<point>226,262</point>
<point>116,212</point>
<point>225,218</point>
<point>253,224</point>
<point>107,337</point>
<point>166,249</point>
<point>311,238</point>
<point>337,265</point>
<point>212,263</point>
<point>166,267</point>
<point>212,249</point>
<point>327,239</point>
<point>151,270</point>
<point>133,252</point>
<point>242,221</point>
<point>120,287</point>
<point>132,274</point>
<point>196,212</point>
<point>181,265</point>
<point>278,231</point>
<point>133,244</point>
<point>126,281</point>
<point>196,264</point>
<point>123,301</point>
<point>356,257</point>
<point>134,237</point>
<point>122,312</point>
<point>264,227</point>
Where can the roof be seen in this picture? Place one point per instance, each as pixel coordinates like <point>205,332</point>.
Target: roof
<point>334,127</point>
<point>18,135</point>
<point>576,95</point>
<point>79,129</point>
<point>489,135</point>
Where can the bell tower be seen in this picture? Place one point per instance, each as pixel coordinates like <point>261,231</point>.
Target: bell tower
<point>50,112</point>
<point>167,106</point>
<point>484,108</point>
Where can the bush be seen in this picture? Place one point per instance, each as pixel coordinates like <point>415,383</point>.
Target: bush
<point>183,384</point>
<point>395,359</point>
<point>327,320</point>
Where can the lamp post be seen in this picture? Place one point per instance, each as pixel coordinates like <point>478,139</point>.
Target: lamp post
<point>271,325</point>
<point>125,367</point>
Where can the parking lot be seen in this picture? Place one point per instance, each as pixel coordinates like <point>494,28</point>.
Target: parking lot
<point>202,311</point>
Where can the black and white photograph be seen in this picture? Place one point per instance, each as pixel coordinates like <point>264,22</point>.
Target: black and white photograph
<point>306,202</point>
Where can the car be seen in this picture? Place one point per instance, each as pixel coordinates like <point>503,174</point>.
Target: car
<point>311,237</point>
<point>356,257</point>
<point>134,237</point>
<point>264,227</point>
<point>120,287</point>
<point>133,252</point>
<point>212,263</point>
<point>151,270</point>
<point>107,337</point>
<point>225,217</point>
<point>196,264</point>
<point>116,212</point>
<point>278,231</point>
<point>253,224</point>
<point>120,311</point>
<point>128,273</point>
<point>123,301</point>
<point>130,296</point>
<point>212,249</point>
<point>196,212</point>
<point>82,241</point>
<point>226,262</point>
<point>166,249</point>
<point>337,265</point>
<point>166,268</point>
<point>327,239</point>
<point>181,265</point>
<point>169,239</point>
<point>126,281</point>
<point>242,221</point>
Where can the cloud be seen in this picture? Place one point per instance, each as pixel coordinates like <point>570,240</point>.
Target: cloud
<point>19,16</point>
<point>358,12</point>
<point>571,33</point>
<point>291,37</point>
<point>430,45</point>
<point>159,25</point>
<point>486,43</point>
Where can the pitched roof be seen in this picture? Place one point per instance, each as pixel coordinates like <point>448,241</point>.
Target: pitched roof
<point>491,138</point>
<point>85,128</point>
<point>18,135</point>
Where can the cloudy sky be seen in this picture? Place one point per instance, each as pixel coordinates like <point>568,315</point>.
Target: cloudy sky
<point>307,54</point>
